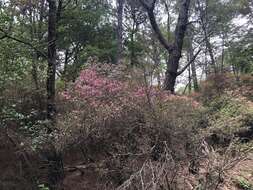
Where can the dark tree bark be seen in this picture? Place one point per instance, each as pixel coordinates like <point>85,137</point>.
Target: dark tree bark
<point>120,8</point>
<point>53,157</point>
<point>189,78</point>
<point>65,63</point>
<point>51,70</point>
<point>175,54</point>
<point>174,49</point>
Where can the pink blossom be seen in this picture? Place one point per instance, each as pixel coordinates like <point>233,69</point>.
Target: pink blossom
<point>66,95</point>
<point>111,96</point>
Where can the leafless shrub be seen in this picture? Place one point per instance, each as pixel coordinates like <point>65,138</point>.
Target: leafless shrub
<point>217,164</point>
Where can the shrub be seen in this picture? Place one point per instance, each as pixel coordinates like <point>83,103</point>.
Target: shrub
<point>127,123</point>
<point>220,84</point>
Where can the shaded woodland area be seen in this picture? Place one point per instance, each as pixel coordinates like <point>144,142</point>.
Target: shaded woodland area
<point>126,95</point>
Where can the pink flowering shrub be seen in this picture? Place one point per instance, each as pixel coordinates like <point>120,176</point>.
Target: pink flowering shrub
<point>110,97</point>
<point>97,91</point>
<point>106,107</point>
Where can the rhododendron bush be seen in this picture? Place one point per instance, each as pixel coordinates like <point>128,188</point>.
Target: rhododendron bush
<point>97,91</point>
<point>98,102</point>
<point>110,95</point>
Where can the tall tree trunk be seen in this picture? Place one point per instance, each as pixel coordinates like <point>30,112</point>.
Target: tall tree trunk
<point>175,54</point>
<point>66,58</point>
<point>33,54</point>
<point>189,79</point>
<point>210,51</point>
<point>53,156</point>
<point>51,70</point>
<point>193,65</point>
<point>171,72</point>
<point>120,8</point>
<point>222,53</point>
<point>132,53</point>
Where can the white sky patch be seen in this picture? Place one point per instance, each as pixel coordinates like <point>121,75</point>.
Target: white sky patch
<point>240,21</point>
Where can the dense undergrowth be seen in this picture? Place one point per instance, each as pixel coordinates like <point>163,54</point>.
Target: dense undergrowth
<point>115,132</point>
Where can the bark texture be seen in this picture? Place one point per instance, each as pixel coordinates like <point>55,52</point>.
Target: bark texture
<point>51,70</point>
<point>175,54</point>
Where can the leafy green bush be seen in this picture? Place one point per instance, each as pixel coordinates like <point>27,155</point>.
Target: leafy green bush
<point>228,117</point>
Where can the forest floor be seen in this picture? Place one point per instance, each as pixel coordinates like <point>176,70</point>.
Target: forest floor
<point>84,177</point>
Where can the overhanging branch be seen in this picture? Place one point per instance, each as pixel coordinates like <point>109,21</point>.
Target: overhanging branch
<point>6,35</point>
<point>150,11</point>
<point>188,64</point>
<point>2,37</point>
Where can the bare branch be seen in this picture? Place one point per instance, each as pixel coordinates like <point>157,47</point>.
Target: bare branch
<point>192,22</point>
<point>2,37</point>
<point>188,64</point>
<point>23,42</point>
<point>147,6</point>
<point>150,11</point>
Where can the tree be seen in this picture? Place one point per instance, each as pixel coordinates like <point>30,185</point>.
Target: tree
<point>191,55</point>
<point>175,48</point>
<point>134,17</point>
<point>120,8</point>
<point>85,30</point>
<point>51,70</point>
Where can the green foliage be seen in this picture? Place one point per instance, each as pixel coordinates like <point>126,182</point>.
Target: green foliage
<point>244,184</point>
<point>10,114</point>
<point>241,58</point>
<point>135,48</point>
<point>25,122</point>
<point>60,85</point>
<point>226,106</point>
<point>227,117</point>
<point>14,66</point>
<point>85,32</point>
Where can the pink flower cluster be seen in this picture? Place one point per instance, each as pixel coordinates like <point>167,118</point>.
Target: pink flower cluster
<point>106,93</point>
<point>91,85</point>
<point>66,95</point>
<point>97,90</point>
